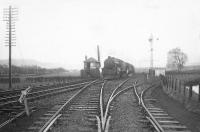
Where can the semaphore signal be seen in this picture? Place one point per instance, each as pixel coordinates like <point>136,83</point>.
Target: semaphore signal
<point>151,40</point>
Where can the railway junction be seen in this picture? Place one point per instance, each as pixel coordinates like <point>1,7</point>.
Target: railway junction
<point>127,104</point>
<point>113,96</point>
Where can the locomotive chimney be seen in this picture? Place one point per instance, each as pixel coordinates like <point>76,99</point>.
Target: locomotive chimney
<point>85,57</point>
<point>98,53</point>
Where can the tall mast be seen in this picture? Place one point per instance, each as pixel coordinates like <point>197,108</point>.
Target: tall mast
<point>151,49</point>
<point>9,17</point>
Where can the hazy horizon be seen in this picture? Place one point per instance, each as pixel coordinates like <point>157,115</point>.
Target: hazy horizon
<point>64,31</point>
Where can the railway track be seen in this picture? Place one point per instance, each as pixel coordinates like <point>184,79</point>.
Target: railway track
<point>10,106</point>
<point>107,118</point>
<point>159,119</point>
<point>8,100</point>
<point>80,106</point>
<point>6,93</point>
<point>84,111</point>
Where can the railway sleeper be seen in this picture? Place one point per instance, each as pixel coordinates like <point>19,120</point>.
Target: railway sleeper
<point>168,122</point>
<point>159,114</point>
<point>163,118</point>
<point>174,127</point>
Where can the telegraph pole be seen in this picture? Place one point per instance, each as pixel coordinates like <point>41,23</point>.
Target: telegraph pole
<point>10,18</point>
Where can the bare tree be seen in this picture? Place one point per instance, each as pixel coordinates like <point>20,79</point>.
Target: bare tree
<point>176,59</point>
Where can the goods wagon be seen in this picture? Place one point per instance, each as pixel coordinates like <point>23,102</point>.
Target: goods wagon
<point>114,67</point>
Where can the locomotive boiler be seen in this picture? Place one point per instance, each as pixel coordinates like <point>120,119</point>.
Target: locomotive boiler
<point>114,67</point>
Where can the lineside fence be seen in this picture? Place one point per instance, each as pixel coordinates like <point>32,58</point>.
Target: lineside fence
<point>183,88</point>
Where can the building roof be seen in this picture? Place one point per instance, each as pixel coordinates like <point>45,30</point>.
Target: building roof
<point>91,59</point>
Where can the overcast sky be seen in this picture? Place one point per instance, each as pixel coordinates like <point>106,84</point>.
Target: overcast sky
<point>64,31</point>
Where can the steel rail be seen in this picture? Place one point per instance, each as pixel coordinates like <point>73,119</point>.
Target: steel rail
<point>109,102</point>
<point>155,124</point>
<point>52,122</point>
<point>152,120</point>
<point>10,120</point>
<point>119,86</point>
<point>13,118</point>
<point>149,113</point>
<point>35,97</point>
<point>5,92</point>
<point>47,92</point>
<point>106,127</point>
<point>31,99</point>
<point>52,93</point>
<point>138,97</point>
<point>57,87</point>
<point>105,118</point>
<point>65,105</point>
<point>101,105</point>
<point>38,96</point>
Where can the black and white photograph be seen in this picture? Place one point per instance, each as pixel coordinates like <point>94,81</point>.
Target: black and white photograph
<point>99,66</point>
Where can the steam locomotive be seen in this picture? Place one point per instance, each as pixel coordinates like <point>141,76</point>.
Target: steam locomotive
<point>114,67</point>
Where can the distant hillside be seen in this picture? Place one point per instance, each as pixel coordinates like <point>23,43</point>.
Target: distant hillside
<point>29,62</point>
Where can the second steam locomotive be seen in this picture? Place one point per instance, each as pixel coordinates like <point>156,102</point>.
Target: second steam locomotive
<point>114,67</point>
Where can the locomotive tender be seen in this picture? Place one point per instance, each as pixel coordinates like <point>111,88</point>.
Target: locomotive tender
<point>114,67</point>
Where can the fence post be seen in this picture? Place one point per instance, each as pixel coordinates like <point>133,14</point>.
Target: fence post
<point>199,92</point>
<point>26,106</point>
<point>190,91</point>
<point>175,85</point>
<point>171,84</point>
<point>184,87</point>
<point>180,87</point>
<point>166,83</point>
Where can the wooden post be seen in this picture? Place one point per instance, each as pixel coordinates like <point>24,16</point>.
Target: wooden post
<point>167,83</point>
<point>171,82</point>
<point>172,87</point>
<point>184,87</point>
<point>26,106</point>
<point>175,85</point>
<point>24,99</point>
<point>180,88</point>
<point>199,92</point>
<point>190,91</point>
